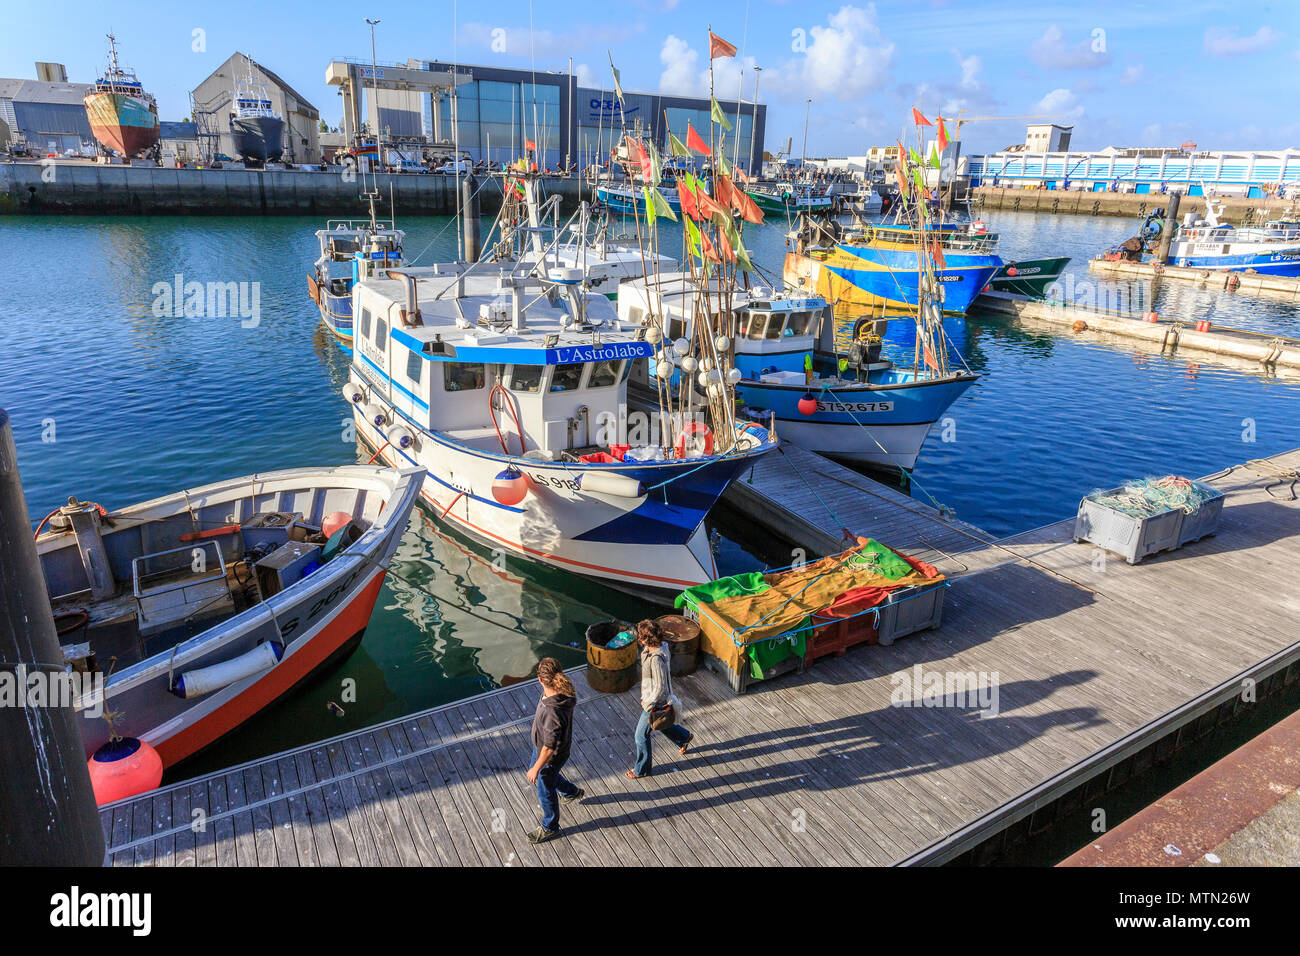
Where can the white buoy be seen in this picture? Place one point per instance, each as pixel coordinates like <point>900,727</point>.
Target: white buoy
<point>205,680</point>
<point>689,364</point>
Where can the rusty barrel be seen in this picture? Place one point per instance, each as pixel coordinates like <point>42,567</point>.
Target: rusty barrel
<point>610,670</point>
<point>683,636</point>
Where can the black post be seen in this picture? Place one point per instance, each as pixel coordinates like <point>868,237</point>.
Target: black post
<point>470,211</point>
<point>1171,226</point>
<point>47,808</point>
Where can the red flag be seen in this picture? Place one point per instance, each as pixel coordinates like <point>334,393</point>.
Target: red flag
<point>724,247</point>
<point>708,206</point>
<point>707,247</point>
<point>740,174</point>
<point>529,144</point>
<point>918,119</point>
<point>749,210</point>
<point>688,200</point>
<point>719,47</point>
<point>943,135</point>
<point>938,256</point>
<point>930,360</point>
<point>694,141</point>
<point>723,190</point>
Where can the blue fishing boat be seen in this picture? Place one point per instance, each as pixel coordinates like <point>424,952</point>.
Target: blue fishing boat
<point>1270,249</point>
<point>351,251</point>
<point>627,199</point>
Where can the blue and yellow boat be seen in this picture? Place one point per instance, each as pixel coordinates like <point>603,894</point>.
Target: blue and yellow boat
<point>876,269</point>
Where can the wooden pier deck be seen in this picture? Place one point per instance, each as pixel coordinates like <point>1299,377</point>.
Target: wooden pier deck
<point>812,769</point>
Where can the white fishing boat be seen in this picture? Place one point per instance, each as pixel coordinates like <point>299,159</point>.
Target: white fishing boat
<point>203,607</point>
<point>507,381</point>
<point>351,251</point>
<point>1208,243</point>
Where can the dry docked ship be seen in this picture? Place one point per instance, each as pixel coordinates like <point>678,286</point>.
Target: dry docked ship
<point>123,117</point>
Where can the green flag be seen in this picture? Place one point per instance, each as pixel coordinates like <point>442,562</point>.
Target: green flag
<point>724,167</point>
<point>654,163</point>
<point>677,147</point>
<point>719,117</point>
<point>914,156</point>
<point>649,205</point>
<point>661,206</point>
<point>693,237</point>
<point>934,157</point>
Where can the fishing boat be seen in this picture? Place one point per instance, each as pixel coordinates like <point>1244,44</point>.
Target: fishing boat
<point>123,117</point>
<point>257,130</point>
<point>626,199</point>
<point>850,405</point>
<point>507,381</point>
<point>351,251</point>
<point>876,267</point>
<point>1207,243</point>
<point>1028,277</point>
<point>788,197</point>
<point>203,607</point>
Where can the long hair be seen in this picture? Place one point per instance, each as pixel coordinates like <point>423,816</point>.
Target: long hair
<point>552,675</point>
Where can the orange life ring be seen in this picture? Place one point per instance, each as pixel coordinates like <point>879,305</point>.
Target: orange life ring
<point>694,428</point>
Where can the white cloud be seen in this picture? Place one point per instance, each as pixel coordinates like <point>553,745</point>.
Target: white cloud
<point>543,44</point>
<point>970,70</point>
<point>1060,102</point>
<point>1133,75</point>
<point>586,77</point>
<point>1051,52</point>
<point>845,59</point>
<point>1224,41</point>
<point>680,75</point>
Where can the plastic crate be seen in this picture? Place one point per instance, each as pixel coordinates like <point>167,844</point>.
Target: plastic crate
<point>910,609</point>
<point>741,681</point>
<point>1134,538</point>
<point>835,635</point>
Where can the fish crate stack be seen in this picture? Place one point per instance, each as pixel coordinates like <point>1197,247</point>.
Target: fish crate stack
<point>755,627</point>
<point>1149,515</point>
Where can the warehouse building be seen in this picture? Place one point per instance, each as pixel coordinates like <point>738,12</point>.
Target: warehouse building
<point>212,107</point>
<point>49,117</point>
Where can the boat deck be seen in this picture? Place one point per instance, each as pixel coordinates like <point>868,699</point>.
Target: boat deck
<point>1092,661</point>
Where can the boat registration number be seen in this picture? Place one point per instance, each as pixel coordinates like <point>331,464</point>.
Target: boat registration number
<point>855,406</point>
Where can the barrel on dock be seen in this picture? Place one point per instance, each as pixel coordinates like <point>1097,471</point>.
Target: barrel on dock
<point>683,637</point>
<point>610,670</point>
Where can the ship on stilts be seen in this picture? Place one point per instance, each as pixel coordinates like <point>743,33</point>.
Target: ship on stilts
<point>122,116</point>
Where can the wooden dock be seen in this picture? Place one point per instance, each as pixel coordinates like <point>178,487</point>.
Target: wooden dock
<point>1284,287</point>
<point>1092,660</point>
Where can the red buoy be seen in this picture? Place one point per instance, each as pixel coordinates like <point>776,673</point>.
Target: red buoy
<point>807,404</point>
<point>124,767</point>
<point>1011,270</point>
<point>333,521</point>
<point>510,486</point>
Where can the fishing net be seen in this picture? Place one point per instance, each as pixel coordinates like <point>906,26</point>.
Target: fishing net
<point>1146,497</point>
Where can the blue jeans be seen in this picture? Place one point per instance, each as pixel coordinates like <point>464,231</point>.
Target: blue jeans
<point>676,733</point>
<point>550,785</point>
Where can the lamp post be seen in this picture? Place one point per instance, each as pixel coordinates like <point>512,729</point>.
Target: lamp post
<point>374,87</point>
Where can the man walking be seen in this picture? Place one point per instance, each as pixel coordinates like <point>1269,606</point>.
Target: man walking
<point>552,736</point>
<point>656,694</point>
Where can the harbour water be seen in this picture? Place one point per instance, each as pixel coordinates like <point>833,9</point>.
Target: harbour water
<point>114,403</point>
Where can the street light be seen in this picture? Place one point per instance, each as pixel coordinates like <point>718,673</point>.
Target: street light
<point>374,86</point>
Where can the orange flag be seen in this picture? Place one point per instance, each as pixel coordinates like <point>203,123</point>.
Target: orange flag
<point>694,141</point>
<point>919,119</point>
<point>708,206</point>
<point>943,135</point>
<point>719,47</point>
<point>724,247</point>
<point>688,200</point>
<point>938,256</point>
<point>706,245</point>
<point>723,190</point>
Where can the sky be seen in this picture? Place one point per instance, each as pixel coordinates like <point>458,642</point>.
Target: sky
<point>1225,75</point>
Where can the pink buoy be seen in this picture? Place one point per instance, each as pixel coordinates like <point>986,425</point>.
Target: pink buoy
<point>124,767</point>
<point>510,486</point>
<point>807,404</point>
<point>333,521</point>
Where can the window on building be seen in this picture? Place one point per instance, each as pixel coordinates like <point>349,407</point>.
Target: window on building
<point>462,376</point>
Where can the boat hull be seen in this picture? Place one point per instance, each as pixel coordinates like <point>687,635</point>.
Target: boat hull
<point>125,124</point>
<point>1276,262</point>
<point>1031,277</point>
<point>864,279</point>
<point>654,543</point>
<point>258,138</point>
<point>881,425</point>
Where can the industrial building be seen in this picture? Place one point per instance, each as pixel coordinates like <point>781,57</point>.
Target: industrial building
<point>497,110</point>
<point>212,100</point>
<point>47,115</point>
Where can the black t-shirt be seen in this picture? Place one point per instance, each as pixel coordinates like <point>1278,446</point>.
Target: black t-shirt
<point>553,726</point>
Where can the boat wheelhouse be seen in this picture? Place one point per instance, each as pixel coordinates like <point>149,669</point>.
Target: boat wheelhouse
<point>351,251</point>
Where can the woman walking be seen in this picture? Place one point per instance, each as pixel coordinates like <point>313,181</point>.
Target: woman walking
<point>660,708</point>
<point>552,737</point>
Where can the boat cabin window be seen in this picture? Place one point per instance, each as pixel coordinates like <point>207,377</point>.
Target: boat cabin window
<point>757,325</point>
<point>365,323</point>
<point>381,333</point>
<point>526,378</point>
<point>462,376</point>
<point>414,366</point>
<point>567,378</point>
<point>636,315</point>
<point>776,324</point>
<point>603,374</point>
<point>800,322</point>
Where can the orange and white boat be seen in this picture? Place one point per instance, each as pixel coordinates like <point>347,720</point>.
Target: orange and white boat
<point>203,607</point>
